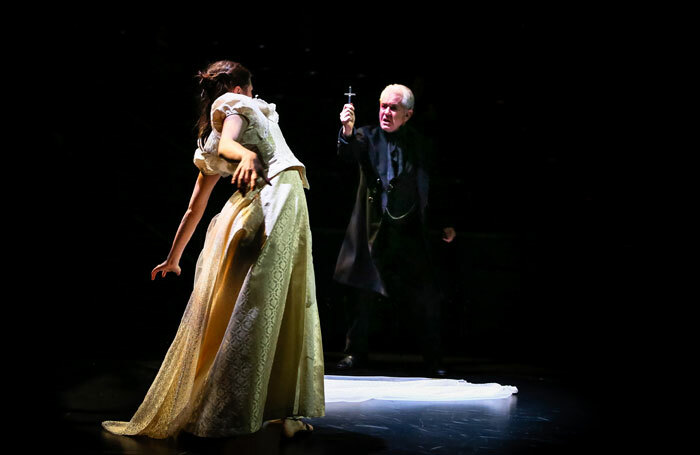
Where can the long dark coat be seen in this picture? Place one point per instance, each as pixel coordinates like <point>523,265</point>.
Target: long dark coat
<point>360,258</point>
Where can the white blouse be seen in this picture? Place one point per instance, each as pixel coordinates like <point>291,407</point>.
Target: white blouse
<point>262,135</point>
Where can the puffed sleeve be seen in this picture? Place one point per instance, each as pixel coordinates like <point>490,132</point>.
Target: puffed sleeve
<point>204,163</point>
<point>235,104</point>
<point>208,161</point>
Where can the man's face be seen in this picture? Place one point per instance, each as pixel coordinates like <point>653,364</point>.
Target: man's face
<point>392,114</point>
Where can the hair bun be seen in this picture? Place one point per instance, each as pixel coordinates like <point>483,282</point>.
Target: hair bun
<point>202,76</point>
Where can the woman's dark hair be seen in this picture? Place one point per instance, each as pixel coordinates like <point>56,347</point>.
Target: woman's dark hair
<point>219,77</point>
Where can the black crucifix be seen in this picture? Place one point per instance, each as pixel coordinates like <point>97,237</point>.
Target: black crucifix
<point>350,94</point>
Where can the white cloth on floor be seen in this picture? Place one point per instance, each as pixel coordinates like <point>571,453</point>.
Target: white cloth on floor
<point>363,388</point>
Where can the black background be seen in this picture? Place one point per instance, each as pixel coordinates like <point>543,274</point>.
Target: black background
<point>526,110</point>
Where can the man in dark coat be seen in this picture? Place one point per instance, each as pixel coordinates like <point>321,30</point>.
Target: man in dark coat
<point>386,249</point>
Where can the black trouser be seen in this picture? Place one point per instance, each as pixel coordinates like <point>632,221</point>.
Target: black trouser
<point>425,313</point>
<point>409,278</point>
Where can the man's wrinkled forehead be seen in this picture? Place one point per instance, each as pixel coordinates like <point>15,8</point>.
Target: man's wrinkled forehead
<point>392,97</point>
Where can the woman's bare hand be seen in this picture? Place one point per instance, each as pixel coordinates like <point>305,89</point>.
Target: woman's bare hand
<point>247,173</point>
<point>164,268</point>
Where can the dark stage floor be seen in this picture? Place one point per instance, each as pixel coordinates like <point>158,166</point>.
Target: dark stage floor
<point>551,413</point>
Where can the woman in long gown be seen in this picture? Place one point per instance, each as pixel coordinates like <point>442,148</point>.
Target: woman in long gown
<point>248,348</point>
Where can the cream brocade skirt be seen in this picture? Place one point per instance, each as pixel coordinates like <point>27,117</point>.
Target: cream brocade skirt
<point>248,348</point>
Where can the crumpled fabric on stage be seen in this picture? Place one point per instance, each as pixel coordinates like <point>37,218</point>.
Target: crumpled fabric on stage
<point>363,388</point>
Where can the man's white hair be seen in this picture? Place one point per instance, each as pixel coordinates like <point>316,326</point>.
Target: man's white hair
<point>407,99</point>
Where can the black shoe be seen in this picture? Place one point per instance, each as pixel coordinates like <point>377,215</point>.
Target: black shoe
<point>348,363</point>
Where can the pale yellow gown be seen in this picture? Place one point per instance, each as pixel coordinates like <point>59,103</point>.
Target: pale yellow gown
<point>248,348</point>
